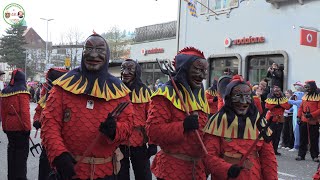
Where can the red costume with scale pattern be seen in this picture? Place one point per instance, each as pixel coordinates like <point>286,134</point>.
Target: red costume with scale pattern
<point>76,114</point>
<point>166,130</point>
<point>82,128</point>
<point>41,103</point>
<point>181,152</point>
<point>137,137</point>
<point>229,136</point>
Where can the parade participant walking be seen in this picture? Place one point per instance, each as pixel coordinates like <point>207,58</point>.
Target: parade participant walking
<point>76,114</point>
<point>170,128</point>
<point>309,113</point>
<point>136,149</point>
<point>212,98</point>
<point>277,103</point>
<point>231,132</point>
<point>223,81</point>
<point>52,74</point>
<point>15,115</point>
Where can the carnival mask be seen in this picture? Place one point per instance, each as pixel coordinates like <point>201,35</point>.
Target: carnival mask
<point>241,99</point>
<point>310,87</point>
<point>128,69</point>
<point>197,73</point>
<point>277,92</point>
<point>94,53</point>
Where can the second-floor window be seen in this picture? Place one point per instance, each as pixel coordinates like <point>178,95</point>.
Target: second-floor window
<point>218,6</point>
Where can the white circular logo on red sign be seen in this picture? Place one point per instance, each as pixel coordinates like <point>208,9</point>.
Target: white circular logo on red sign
<point>227,42</point>
<point>309,38</point>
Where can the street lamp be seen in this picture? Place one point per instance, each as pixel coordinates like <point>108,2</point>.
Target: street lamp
<point>47,59</point>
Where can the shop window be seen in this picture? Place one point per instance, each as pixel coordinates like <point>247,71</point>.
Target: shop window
<point>223,5</point>
<point>151,72</point>
<point>203,9</point>
<point>219,64</point>
<point>258,66</point>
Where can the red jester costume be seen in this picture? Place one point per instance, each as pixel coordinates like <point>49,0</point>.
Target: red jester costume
<point>309,113</point>
<point>15,115</point>
<point>52,74</point>
<point>76,116</point>
<point>276,102</point>
<point>231,132</point>
<point>136,149</point>
<point>212,97</point>
<point>168,125</point>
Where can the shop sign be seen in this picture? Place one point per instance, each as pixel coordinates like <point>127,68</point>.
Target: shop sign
<point>243,41</point>
<point>308,37</point>
<point>152,51</point>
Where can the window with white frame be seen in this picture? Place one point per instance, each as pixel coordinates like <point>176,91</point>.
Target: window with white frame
<point>223,5</point>
<point>204,6</point>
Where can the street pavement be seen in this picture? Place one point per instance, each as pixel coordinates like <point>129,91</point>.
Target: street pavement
<point>288,168</point>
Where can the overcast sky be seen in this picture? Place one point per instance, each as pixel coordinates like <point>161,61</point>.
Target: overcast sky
<point>87,15</point>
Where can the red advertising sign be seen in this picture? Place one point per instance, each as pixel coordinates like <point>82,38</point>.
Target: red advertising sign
<point>152,51</point>
<point>308,37</point>
<point>243,41</point>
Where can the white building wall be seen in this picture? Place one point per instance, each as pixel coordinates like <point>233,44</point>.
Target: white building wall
<point>280,27</point>
<point>169,46</point>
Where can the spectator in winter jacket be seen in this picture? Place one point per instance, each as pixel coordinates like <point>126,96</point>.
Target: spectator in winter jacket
<point>296,100</point>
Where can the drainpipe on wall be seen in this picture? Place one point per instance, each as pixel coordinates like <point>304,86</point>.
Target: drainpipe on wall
<point>178,25</point>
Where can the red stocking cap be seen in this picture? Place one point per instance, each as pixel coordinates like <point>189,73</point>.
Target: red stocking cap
<point>190,51</point>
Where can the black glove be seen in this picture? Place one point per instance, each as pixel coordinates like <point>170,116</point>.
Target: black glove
<point>108,127</point>
<point>36,124</point>
<point>234,171</point>
<point>191,123</point>
<point>308,115</point>
<point>152,150</point>
<point>277,106</point>
<point>215,99</point>
<point>65,166</point>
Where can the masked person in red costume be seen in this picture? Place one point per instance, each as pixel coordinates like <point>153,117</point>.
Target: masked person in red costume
<point>52,74</point>
<point>168,125</point>
<point>212,98</point>
<point>276,102</point>
<point>76,114</point>
<point>231,132</point>
<point>15,115</point>
<point>136,147</point>
<point>221,88</point>
<point>309,113</point>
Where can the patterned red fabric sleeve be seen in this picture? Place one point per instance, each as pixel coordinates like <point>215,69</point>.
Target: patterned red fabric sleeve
<point>52,125</point>
<point>212,161</point>
<point>268,162</point>
<point>37,114</point>
<point>160,128</point>
<point>124,123</point>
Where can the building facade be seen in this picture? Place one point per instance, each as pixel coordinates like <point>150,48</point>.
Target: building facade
<point>154,42</point>
<point>249,35</point>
